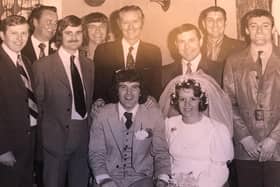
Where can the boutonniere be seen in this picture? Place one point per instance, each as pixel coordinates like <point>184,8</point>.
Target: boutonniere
<point>142,134</point>
<point>53,46</point>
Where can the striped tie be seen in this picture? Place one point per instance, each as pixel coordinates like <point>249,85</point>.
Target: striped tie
<point>32,105</point>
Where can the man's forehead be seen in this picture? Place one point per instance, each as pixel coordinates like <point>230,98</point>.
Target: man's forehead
<point>73,28</point>
<point>128,83</point>
<point>261,19</point>
<point>215,14</point>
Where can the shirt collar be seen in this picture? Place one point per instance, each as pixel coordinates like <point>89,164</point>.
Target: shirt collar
<point>194,62</point>
<point>36,42</point>
<point>122,110</point>
<point>67,55</point>
<point>13,55</point>
<point>126,45</point>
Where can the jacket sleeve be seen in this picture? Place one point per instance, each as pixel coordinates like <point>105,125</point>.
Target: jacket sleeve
<point>240,129</point>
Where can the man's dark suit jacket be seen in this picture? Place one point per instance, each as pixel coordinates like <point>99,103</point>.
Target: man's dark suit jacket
<point>15,130</point>
<point>109,58</point>
<point>29,51</point>
<point>174,69</point>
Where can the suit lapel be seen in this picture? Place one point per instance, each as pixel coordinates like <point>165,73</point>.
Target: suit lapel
<point>86,78</point>
<point>12,67</point>
<point>59,70</point>
<point>116,127</point>
<point>119,54</point>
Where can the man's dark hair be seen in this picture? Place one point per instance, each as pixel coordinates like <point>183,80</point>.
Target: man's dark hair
<point>128,76</point>
<point>257,13</point>
<point>12,20</point>
<point>70,20</point>
<point>95,17</point>
<point>204,14</point>
<point>37,12</point>
<point>130,8</point>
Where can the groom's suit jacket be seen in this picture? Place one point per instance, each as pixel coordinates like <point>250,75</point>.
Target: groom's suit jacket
<point>149,156</point>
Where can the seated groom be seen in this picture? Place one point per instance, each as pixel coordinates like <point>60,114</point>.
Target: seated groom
<point>127,139</point>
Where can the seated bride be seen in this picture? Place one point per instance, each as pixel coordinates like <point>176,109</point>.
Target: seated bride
<point>199,137</point>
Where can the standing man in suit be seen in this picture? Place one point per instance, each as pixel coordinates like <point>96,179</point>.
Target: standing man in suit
<point>18,114</point>
<point>127,140</point>
<point>189,58</point>
<point>251,79</point>
<point>130,52</point>
<point>43,24</point>
<point>216,45</point>
<point>64,87</point>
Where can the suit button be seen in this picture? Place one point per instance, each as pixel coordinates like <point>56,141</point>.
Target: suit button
<point>69,95</point>
<point>28,132</point>
<point>125,159</point>
<point>68,109</point>
<point>127,133</point>
<point>117,166</point>
<point>124,165</point>
<point>67,126</point>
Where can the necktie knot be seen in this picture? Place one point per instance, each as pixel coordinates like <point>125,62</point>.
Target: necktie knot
<point>128,116</point>
<point>72,58</point>
<point>42,47</point>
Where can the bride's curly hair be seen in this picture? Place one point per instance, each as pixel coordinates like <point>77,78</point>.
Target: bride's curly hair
<point>197,92</point>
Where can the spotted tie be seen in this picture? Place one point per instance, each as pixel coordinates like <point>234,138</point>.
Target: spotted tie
<point>42,47</point>
<point>130,64</point>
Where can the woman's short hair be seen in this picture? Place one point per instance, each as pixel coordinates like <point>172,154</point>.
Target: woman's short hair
<point>128,76</point>
<point>197,92</point>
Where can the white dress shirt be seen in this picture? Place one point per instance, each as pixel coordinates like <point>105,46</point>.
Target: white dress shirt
<point>194,64</point>
<point>36,43</point>
<point>126,47</point>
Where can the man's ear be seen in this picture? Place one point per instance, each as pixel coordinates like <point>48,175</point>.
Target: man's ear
<point>247,31</point>
<point>2,35</point>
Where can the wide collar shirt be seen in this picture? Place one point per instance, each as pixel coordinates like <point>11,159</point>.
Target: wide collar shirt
<point>122,110</point>
<point>14,56</point>
<point>126,46</point>
<point>194,64</point>
<point>36,43</point>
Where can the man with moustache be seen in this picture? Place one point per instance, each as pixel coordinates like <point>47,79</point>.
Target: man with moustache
<point>130,52</point>
<point>64,88</point>
<point>18,113</point>
<point>188,58</point>
<point>43,23</point>
<point>251,79</point>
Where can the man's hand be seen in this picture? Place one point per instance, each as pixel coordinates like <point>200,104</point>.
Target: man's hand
<point>109,184</point>
<point>7,159</point>
<point>251,147</point>
<point>151,102</point>
<point>97,105</point>
<point>267,148</point>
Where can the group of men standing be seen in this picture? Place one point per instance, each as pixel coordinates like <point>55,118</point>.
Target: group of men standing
<point>48,105</point>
